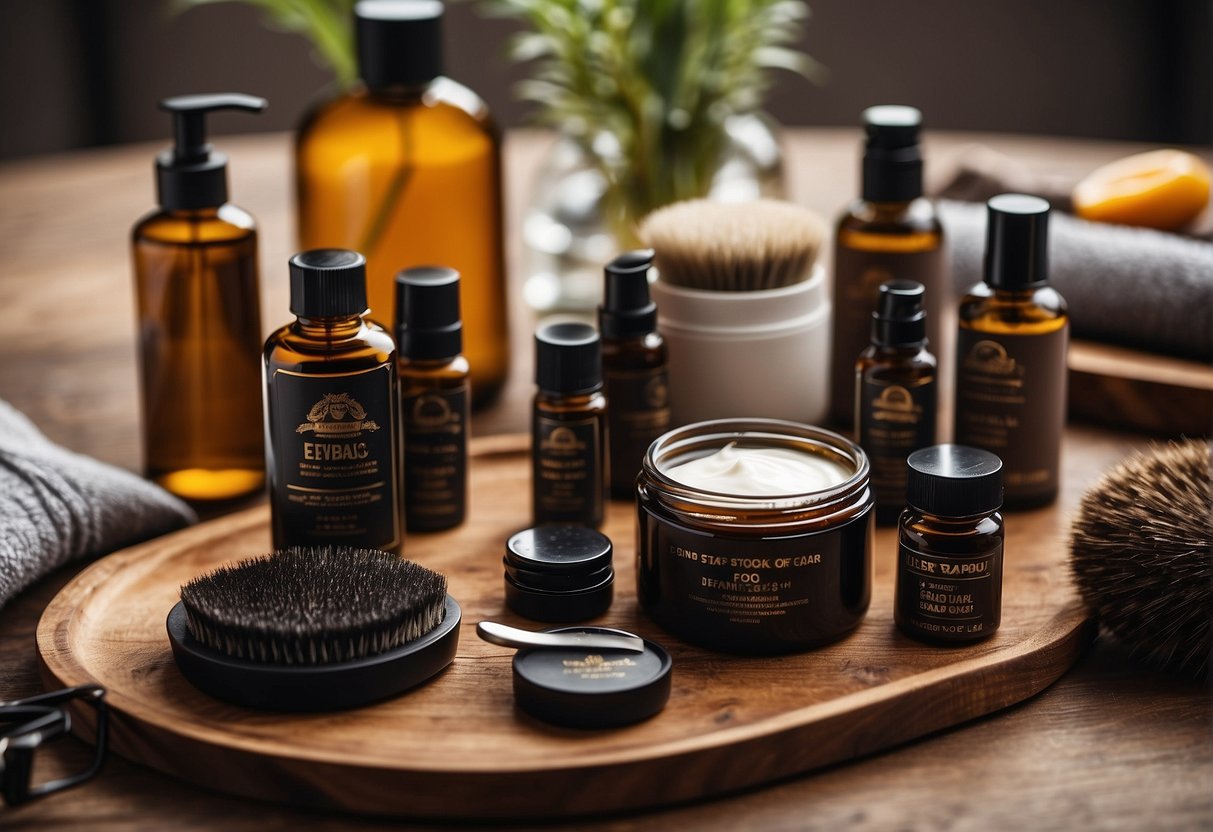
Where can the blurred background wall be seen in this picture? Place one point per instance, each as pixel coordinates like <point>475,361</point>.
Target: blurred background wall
<point>78,73</point>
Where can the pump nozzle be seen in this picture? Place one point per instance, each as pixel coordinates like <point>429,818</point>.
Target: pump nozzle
<point>191,175</point>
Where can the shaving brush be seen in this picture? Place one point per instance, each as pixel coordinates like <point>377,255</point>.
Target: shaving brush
<point>1141,551</point>
<point>733,246</point>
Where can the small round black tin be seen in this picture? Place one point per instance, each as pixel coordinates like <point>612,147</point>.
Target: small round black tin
<point>592,688</point>
<point>559,573</point>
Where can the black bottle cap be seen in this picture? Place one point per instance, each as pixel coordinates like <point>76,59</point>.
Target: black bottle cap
<point>899,319</point>
<point>328,283</point>
<point>954,481</point>
<point>1017,242</point>
<point>192,175</point>
<point>636,687</point>
<point>399,42</point>
<point>568,358</point>
<point>627,310</point>
<point>892,163</point>
<point>427,313</point>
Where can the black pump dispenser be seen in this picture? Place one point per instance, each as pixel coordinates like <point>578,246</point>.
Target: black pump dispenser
<point>192,175</point>
<point>892,163</point>
<point>627,309</point>
<point>899,319</point>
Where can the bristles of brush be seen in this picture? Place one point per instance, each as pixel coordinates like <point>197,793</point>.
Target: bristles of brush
<point>733,247</point>
<point>305,606</point>
<point>1141,550</point>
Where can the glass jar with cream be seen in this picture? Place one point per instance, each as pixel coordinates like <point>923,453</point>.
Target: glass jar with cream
<point>755,535</point>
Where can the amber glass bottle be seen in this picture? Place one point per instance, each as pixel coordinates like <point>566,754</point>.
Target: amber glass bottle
<point>406,169</point>
<point>333,433</point>
<point>891,232</point>
<point>433,375</point>
<point>568,427</point>
<point>634,368</point>
<point>949,552</point>
<point>895,399</point>
<point>1011,354</point>
<point>197,295</point>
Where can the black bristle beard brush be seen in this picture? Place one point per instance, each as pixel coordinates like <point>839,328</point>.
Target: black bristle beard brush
<point>314,629</point>
<point>1141,550</point>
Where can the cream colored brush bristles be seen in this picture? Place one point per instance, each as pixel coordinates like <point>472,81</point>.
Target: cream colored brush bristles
<point>733,246</point>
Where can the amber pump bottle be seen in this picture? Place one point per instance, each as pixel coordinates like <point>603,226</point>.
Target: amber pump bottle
<point>433,376</point>
<point>199,313</point>
<point>406,169</point>
<point>895,399</point>
<point>1011,354</point>
<point>634,368</point>
<point>568,426</point>
<point>333,440</point>
<point>890,233</point>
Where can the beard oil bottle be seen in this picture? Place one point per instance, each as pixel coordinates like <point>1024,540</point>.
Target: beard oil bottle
<point>199,312</point>
<point>331,413</point>
<point>568,426</point>
<point>890,233</point>
<point>406,168</point>
<point>1011,354</point>
<point>895,399</point>
<point>633,368</point>
<point>433,376</point>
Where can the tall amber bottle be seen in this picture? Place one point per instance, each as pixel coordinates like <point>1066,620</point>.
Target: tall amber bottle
<point>331,413</point>
<point>890,233</point>
<point>199,312</point>
<point>896,391</point>
<point>433,375</point>
<point>406,169</point>
<point>634,368</point>
<point>568,427</point>
<point>1011,354</point>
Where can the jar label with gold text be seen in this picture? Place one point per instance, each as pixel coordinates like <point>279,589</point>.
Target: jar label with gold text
<point>435,457</point>
<point>949,598</point>
<point>334,455</point>
<point>1011,401</point>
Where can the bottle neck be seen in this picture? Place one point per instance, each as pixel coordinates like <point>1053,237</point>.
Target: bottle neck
<point>330,329</point>
<point>398,93</point>
<point>574,400</point>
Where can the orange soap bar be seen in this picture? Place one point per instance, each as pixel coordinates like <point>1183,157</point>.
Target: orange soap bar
<point>1158,189</point>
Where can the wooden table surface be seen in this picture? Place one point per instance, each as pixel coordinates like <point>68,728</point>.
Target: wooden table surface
<point>1110,746</point>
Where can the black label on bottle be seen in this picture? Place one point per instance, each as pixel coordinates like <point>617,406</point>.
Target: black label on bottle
<point>1011,401</point>
<point>949,599</point>
<point>567,475</point>
<point>435,458</point>
<point>857,278</point>
<point>334,454</point>
<point>894,421</point>
<point>639,413</point>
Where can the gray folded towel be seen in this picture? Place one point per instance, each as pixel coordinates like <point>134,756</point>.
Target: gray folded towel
<point>57,506</point>
<point>1131,286</point>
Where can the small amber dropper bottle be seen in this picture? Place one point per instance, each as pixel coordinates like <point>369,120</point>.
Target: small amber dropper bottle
<point>1011,354</point>
<point>895,399</point>
<point>199,311</point>
<point>634,368</point>
<point>568,426</point>
<point>333,444</point>
<point>433,376</point>
<point>891,233</point>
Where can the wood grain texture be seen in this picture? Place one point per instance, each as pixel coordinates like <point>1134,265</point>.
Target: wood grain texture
<point>457,748</point>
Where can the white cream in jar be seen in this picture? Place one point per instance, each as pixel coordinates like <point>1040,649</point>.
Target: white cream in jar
<point>759,472</point>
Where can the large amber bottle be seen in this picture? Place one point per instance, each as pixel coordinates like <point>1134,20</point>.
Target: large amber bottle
<point>406,169</point>
<point>1011,349</point>
<point>199,315</point>
<point>891,233</point>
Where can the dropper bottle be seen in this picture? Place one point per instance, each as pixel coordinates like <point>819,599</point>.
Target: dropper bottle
<point>199,317</point>
<point>634,368</point>
<point>434,397</point>
<point>896,392</point>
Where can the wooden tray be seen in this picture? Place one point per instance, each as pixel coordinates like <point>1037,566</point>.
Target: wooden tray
<point>457,748</point>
